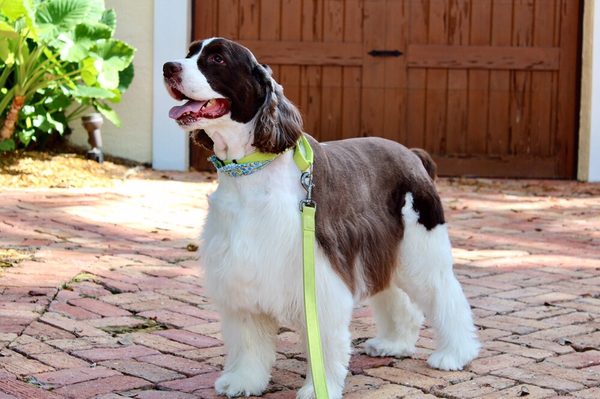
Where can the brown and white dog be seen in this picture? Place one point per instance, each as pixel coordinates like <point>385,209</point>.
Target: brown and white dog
<point>381,232</point>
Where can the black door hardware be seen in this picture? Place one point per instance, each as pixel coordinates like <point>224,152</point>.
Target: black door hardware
<point>385,53</point>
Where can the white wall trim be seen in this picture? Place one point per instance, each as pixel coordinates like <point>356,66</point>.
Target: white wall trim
<point>594,144</point>
<point>172,27</point>
<point>589,130</point>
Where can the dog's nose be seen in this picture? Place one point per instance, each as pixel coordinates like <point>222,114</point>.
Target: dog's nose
<point>171,69</point>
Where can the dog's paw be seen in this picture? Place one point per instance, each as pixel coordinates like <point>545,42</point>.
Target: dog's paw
<point>450,360</point>
<point>233,384</point>
<point>308,392</point>
<point>379,347</point>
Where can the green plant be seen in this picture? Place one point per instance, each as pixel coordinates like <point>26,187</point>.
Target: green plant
<point>54,53</point>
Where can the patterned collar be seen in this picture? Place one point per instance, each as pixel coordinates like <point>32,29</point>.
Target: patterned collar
<point>303,157</point>
<point>237,169</point>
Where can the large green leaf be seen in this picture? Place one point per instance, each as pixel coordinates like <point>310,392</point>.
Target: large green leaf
<point>110,56</point>
<point>97,8</point>
<point>108,77</point>
<point>108,113</point>
<point>69,50</point>
<point>15,9</point>
<point>74,47</point>
<point>115,52</point>
<point>91,31</point>
<point>6,29</point>
<point>109,18</point>
<point>5,50</point>
<point>93,92</point>
<point>54,16</point>
<point>89,73</point>
<point>126,77</point>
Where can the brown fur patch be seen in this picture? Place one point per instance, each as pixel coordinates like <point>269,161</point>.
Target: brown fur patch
<point>360,188</point>
<point>428,162</point>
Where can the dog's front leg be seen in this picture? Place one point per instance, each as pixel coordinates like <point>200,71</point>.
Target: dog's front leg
<point>335,305</point>
<point>250,346</point>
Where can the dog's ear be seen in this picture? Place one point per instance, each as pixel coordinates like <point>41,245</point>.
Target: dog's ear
<point>268,69</point>
<point>201,138</point>
<point>278,123</point>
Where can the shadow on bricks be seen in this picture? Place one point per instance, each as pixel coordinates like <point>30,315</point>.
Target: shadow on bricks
<point>101,296</point>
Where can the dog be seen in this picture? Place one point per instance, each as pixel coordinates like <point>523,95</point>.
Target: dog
<point>380,229</point>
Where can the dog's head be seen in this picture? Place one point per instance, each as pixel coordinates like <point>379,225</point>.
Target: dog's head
<point>221,82</point>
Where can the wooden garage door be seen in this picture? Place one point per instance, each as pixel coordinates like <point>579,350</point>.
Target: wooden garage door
<point>486,86</point>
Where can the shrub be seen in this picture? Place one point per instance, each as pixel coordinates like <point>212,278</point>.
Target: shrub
<point>54,53</point>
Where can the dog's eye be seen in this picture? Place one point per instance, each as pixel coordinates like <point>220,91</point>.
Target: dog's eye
<point>216,58</point>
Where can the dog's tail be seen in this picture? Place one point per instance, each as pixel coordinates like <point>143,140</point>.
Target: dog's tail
<point>428,162</point>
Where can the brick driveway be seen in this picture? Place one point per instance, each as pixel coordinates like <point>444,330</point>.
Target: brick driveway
<point>100,296</point>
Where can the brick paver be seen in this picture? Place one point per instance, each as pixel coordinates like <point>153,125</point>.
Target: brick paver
<point>108,301</point>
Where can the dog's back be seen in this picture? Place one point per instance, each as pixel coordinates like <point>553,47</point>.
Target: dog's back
<point>360,189</point>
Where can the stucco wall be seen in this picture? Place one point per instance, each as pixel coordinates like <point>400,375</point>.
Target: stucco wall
<point>133,140</point>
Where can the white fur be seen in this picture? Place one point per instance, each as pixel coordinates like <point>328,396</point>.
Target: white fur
<point>251,252</point>
<point>398,324</point>
<point>426,275</point>
<point>193,82</point>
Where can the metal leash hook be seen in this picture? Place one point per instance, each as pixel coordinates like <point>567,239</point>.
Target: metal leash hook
<point>306,179</point>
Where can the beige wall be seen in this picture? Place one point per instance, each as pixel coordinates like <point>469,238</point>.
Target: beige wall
<point>133,140</point>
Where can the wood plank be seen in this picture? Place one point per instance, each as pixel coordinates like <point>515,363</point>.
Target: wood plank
<point>437,84</point>
<point>394,110</point>
<point>372,99</point>
<point>249,19</point>
<point>417,78</point>
<point>351,107</point>
<point>291,30</point>
<point>331,94</point>
<point>312,20</point>
<point>311,80</point>
<point>270,29</point>
<point>310,77</point>
<point>542,83</point>
<point>498,128</point>
<point>522,36</point>
<point>567,87</point>
<point>498,167</point>
<point>204,19</point>
<point>204,25</point>
<point>287,52</point>
<point>227,19</point>
<point>483,57</point>
<point>270,21</point>
<point>458,83</point>
<point>478,81</point>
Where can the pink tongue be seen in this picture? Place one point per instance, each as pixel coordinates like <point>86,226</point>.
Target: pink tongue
<point>191,106</point>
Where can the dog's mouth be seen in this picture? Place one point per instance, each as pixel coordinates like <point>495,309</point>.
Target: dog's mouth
<point>195,110</point>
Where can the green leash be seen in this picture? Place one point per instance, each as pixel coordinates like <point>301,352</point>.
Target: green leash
<point>303,156</point>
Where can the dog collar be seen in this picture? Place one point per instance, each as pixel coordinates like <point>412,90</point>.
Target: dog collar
<point>251,163</point>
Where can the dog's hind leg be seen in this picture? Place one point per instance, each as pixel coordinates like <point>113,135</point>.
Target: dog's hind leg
<point>398,323</point>
<point>250,346</point>
<point>335,304</point>
<point>426,276</point>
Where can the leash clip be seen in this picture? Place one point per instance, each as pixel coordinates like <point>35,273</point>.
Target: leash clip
<point>306,179</point>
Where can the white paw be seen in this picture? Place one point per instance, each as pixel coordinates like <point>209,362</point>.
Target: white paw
<point>308,392</point>
<point>382,347</point>
<point>234,384</point>
<point>453,359</point>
